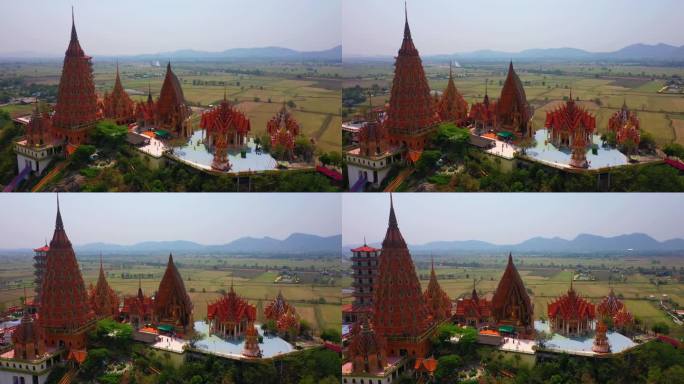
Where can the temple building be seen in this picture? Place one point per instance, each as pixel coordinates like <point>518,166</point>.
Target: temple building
<point>103,300</point>
<point>283,130</point>
<point>473,311</point>
<point>571,315</point>
<point>601,344</point>
<point>76,111</point>
<point>514,113</point>
<point>38,147</point>
<point>483,114</point>
<point>411,114</point>
<point>451,106</point>
<point>172,305</point>
<point>511,305</point>
<point>625,124</point>
<point>138,310</point>
<point>437,300</point>
<point>571,126</point>
<point>231,316</point>
<point>171,111</point>
<point>367,350</point>
<point>251,348</point>
<point>118,105</point>
<point>284,314</point>
<point>364,272</point>
<point>145,111</point>
<point>288,323</point>
<point>39,263</point>
<point>224,127</point>
<point>400,314</point>
<point>614,310</point>
<point>64,314</point>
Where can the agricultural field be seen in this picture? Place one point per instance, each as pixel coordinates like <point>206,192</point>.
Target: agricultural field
<point>257,89</point>
<point>205,280</point>
<point>600,89</point>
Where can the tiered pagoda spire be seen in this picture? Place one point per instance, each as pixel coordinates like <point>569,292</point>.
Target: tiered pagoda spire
<point>601,344</point>
<point>103,300</point>
<point>367,349</point>
<point>171,109</point>
<point>511,305</point>
<point>65,312</point>
<point>39,131</point>
<point>118,105</point>
<point>138,310</point>
<point>76,110</point>
<point>411,115</point>
<point>484,114</point>
<point>145,111</point>
<point>251,348</point>
<point>172,305</point>
<point>437,300</point>
<point>514,112</point>
<point>283,129</point>
<point>399,309</point>
<point>452,107</point>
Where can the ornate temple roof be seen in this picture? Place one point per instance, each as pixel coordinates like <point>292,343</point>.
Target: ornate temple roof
<point>138,304</point>
<point>398,304</point>
<point>172,292</point>
<point>224,119</point>
<point>626,125</point>
<point>103,300</point>
<point>283,128</point>
<point>276,308</point>
<point>366,345</point>
<point>571,306</point>
<point>64,301</point>
<point>27,331</point>
<point>437,300</point>
<point>610,305</point>
<point>473,306</point>
<point>288,320</point>
<point>452,106</point>
<point>76,98</point>
<point>570,117</point>
<point>231,308</point>
<point>118,105</point>
<point>513,99</point>
<point>511,288</point>
<point>411,108</point>
<point>39,129</point>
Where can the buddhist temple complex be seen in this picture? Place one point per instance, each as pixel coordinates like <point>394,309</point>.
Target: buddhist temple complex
<point>171,110</point>
<point>625,124</point>
<point>451,106</point>
<point>76,111</point>
<point>172,305</point>
<point>231,316</point>
<point>474,311</point>
<point>437,300</point>
<point>411,114</point>
<point>224,127</point>
<point>103,300</point>
<point>514,113</point>
<point>283,130</point>
<point>64,314</point>
<point>571,314</point>
<point>571,126</point>
<point>138,310</point>
<point>511,305</point>
<point>118,105</point>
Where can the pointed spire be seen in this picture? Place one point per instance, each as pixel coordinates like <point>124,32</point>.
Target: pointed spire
<point>392,217</point>
<point>407,30</point>
<point>58,222</point>
<point>140,292</point>
<point>572,277</point>
<point>364,241</point>
<point>74,36</point>
<point>450,71</point>
<point>510,258</point>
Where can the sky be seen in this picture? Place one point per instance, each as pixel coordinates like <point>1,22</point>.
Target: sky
<point>151,26</point>
<point>128,218</point>
<point>375,27</point>
<point>503,218</point>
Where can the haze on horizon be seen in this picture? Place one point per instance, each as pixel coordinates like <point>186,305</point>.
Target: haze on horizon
<point>128,218</point>
<point>375,27</point>
<point>130,27</point>
<point>505,218</point>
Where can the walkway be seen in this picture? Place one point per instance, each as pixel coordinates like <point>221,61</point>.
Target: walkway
<point>68,376</point>
<point>518,345</point>
<point>57,169</point>
<point>403,175</point>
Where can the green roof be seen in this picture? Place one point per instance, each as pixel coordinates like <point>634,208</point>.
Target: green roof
<point>165,328</point>
<point>505,134</point>
<point>161,133</point>
<point>507,329</point>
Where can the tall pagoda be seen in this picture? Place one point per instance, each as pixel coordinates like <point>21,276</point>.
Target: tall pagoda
<point>230,316</point>
<point>64,313</point>
<point>364,272</point>
<point>76,111</point>
<point>513,111</point>
<point>283,129</point>
<point>400,314</point>
<point>411,115</point>
<point>172,305</point>
<point>118,105</point>
<point>437,300</point>
<point>172,112</point>
<point>572,126</point>
<point>225,127</point>
<point>103,300</point>
<point>451,106</point>
<point>511,305</point>
<point>39,263</point>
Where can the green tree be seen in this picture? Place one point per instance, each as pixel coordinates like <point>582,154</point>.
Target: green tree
<point>447,368</point>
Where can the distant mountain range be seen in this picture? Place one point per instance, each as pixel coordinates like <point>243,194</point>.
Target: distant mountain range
<point>636,52</point>
<point>295,244</point>
<point>263,53</point>
<point>583,243</point>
